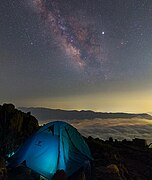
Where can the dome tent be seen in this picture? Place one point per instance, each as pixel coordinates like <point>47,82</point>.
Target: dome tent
<point>57,145</point>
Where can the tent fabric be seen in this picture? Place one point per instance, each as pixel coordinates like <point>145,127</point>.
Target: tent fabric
<point>57,145</point>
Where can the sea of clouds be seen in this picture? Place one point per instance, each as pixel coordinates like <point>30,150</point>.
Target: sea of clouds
<point>116,128</point>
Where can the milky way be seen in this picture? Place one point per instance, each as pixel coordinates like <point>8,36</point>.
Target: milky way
<point>77,38</point>
<point>77,54</point>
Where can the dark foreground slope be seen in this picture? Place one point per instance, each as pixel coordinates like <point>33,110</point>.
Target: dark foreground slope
<point>121,160</point>
<point>15,127</point>
<point>113,160</point>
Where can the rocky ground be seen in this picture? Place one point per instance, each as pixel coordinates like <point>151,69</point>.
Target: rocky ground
<point>15,127</point>
<point>125,160</point>
<point>113,160</point>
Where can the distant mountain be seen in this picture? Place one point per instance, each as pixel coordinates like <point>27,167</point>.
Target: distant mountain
<point>44,114</point>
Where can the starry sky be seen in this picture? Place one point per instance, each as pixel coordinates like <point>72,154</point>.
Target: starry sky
<point>77,54</point>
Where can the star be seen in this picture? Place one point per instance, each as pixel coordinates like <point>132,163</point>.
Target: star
<point>77,39</point>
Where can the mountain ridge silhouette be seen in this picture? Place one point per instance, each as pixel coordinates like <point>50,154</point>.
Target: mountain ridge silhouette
<point>58,114</point>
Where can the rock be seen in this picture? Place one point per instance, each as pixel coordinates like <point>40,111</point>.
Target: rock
<point>3,170</point>
<point>2,163</point>
<point>120,160</point>
<point>60,174</point>
<point>15,127</point>
<point>110,172</point>
<point>19,173</point>
<point>113,168</point>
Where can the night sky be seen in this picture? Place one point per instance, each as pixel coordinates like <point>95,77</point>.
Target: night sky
<point>77,54</point>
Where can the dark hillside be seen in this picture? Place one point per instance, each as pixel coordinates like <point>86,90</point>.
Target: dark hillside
<point>113,159</point>
<point>15,127</point>
<point>121,160</point>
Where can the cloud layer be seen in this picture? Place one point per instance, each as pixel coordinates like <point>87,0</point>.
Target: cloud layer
<point>117,128</point>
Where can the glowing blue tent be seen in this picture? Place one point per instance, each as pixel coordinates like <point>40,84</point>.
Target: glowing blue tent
<point>56,145</point>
